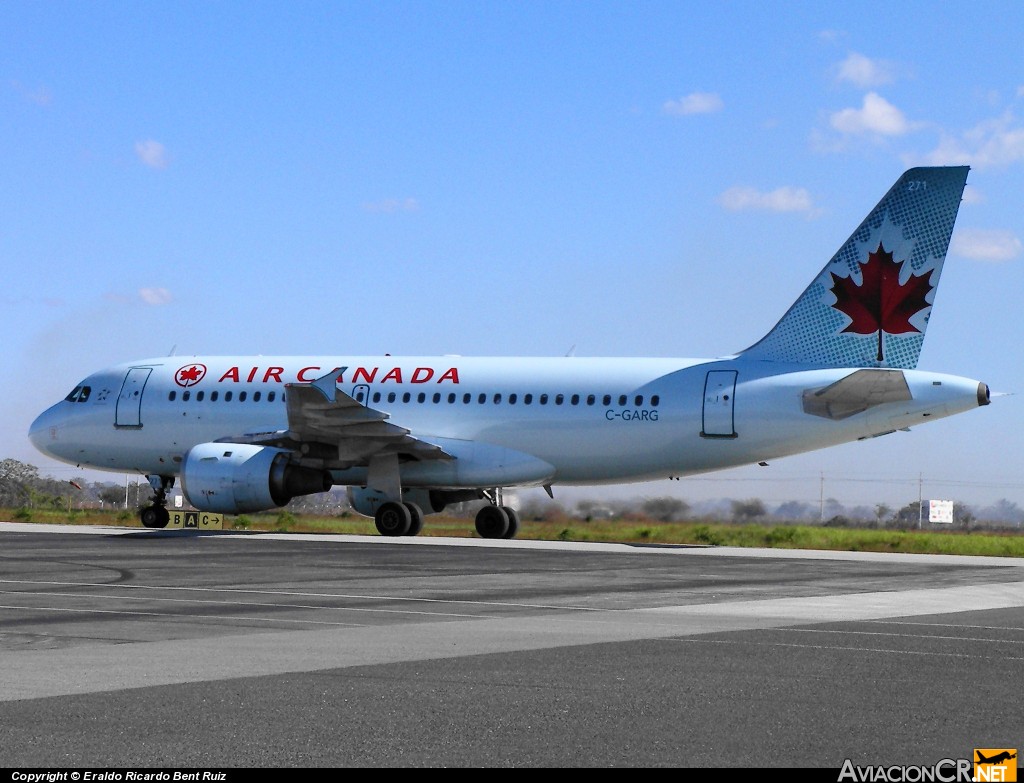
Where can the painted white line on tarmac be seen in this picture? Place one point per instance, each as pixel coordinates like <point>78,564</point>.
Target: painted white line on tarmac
<point>96,668</point>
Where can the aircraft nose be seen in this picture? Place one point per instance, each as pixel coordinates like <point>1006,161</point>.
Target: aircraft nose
<point>45,430</point>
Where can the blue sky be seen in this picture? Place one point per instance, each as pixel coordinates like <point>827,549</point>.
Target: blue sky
<point>632,179</point>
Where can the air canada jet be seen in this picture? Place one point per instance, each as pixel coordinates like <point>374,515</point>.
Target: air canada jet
<point>996,759</point>
<point>409,436</point>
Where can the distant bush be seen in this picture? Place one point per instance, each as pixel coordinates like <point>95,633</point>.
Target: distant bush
<point>242,522</point>
<point>285,521</point>
<point>706,535</point>
<point>23,514</point>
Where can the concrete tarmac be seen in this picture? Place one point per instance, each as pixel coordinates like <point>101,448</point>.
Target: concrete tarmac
<point>133,648</point>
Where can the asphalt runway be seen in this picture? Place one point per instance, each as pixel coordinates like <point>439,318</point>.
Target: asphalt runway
<point>132,648</point>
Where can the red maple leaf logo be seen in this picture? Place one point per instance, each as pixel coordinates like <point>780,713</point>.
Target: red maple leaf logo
<point>190,374</point>
<point>881,303</point>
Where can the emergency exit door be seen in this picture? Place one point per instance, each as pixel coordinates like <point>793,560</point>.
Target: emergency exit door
<point>719,405</point>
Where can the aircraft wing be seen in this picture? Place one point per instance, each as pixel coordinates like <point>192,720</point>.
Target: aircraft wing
<point>329,425</point>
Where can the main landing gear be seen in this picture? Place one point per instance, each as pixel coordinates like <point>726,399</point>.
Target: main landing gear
<point>398,519</point>
<point>156,515</point>
<point>496,520</point>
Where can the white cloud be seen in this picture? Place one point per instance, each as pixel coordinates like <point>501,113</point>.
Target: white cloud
<point>985,244</point>
<point>972,195</point>
<point>863,72</point>
<point>151,153</point>
<point>875,117</point>
<point>694,103</point>
<point>155,296</point>
<point>784,199</point>
<point>40,96</point>
<point>392,205</point>
<point>996,142</point>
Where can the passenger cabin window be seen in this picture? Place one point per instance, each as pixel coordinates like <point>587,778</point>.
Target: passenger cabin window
<point>185,395</point>
<point>174,394</point>
<point>559,398</point>
<point>391,396</point>
<point>638,400</point>
<point>543,399</point>
<point>527,399</point>
<point>655,399</point>
<point>497,399</point>
<point>575,400</point>
<point>622,399</point>
<point>241,396</point>
<point>421,397</point>
<point>512,399</point>
<point>437,397</point>
<point>591,399</point>
<point>606,400</point>
<point>199,396</point>
<point>376,397</point>
<point>406,397</point>
<point>255,396</point>
<point>451,398</point>
<point>482,399</point>
<point>227,396</point>
<point>466,398</point>
<point>214,395</point>
<point>270,396</point>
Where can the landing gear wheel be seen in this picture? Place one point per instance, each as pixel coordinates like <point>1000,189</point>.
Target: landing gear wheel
<point>155,516</point>
<point>393,519</point>
<point>513,521</point>
<point>492,522</point>
<point>417,519</point>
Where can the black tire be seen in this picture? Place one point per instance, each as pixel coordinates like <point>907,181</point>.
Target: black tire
<point>492,522</point>
<point>513,522</point>
<point>392,519</point>
<point>417,519</point>
<point>155,516</point>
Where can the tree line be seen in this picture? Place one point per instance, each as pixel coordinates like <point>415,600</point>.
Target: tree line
<point>22,486</point>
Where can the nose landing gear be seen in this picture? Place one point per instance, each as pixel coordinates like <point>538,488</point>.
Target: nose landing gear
<point>156,515</point>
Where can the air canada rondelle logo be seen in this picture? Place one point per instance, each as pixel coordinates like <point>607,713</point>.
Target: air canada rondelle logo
<point>189,375</point>
<point>880,302</point>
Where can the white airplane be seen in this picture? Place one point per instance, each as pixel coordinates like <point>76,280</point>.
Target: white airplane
<point>410,435</point>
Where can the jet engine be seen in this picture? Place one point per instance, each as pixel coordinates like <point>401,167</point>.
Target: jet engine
<point>234,478</point>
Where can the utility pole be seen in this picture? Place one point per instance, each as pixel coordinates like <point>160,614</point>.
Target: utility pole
<point>821,499</point>
<point>920,500</point>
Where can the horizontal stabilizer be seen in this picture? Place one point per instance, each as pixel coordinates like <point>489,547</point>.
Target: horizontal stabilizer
<point>856,393</point>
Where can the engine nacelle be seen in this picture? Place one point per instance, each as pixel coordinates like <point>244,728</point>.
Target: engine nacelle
<point>366,501</point>
<point>233,478</point>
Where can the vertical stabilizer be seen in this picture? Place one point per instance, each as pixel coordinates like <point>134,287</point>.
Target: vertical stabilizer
<point>870,305</point>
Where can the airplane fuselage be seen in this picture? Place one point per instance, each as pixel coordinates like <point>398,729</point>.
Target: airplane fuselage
<point>582,421</point>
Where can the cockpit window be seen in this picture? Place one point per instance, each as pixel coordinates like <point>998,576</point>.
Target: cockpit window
<point>79,394</point>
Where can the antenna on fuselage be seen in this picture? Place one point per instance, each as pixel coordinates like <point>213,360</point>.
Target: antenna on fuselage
<point>173,349</point>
